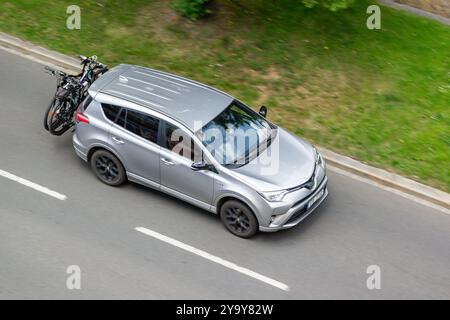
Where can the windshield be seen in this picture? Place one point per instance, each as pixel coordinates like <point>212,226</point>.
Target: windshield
<point>236,135</point>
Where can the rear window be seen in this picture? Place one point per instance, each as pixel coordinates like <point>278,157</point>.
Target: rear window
<point>111,111</point>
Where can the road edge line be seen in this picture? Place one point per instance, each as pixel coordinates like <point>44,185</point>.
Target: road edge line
<point>381,176</point>
<point>31,51</point>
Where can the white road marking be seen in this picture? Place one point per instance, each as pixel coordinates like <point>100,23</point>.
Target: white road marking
<point>213,258</point>
<point>32,185</point>
<point>386,188</point>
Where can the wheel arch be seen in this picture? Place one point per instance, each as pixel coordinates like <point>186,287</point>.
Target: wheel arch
<point>103,147</point>
<point>231,196</point>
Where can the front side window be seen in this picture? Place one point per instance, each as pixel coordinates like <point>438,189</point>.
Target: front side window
<point>179,142</point>
<point>236,135</point>
<point>142,124</point>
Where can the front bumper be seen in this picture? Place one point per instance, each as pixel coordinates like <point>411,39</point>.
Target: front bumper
<point>299,211</point>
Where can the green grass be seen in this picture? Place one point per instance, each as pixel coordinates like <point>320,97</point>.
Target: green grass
<point>380,96</point>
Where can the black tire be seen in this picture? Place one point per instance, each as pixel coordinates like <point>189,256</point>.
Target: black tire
<point>238,219</point>
<point>57,125</point>
<point>46,118</point>
<point>108,168</point>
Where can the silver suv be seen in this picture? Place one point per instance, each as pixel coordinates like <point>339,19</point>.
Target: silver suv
<point>201,145</point>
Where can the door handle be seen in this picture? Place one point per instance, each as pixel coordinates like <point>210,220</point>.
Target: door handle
<point>117,140</point>
<point>167,162</point>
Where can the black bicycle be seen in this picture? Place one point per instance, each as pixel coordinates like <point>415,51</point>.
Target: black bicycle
<point>70,91</point>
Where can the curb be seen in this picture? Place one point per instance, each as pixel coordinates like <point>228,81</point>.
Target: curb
<point>333,159</point>
<point>416,11</point>
<point>39,53</point>
<point>387,178</point>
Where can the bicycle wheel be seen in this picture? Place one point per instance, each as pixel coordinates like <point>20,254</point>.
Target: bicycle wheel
<point>47,112</point>
<point>60,117</point>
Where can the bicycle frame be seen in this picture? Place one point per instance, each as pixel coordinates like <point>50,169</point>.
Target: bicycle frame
<point>70,92</point>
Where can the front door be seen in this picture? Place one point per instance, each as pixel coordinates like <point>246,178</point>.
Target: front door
<point>177,177</point>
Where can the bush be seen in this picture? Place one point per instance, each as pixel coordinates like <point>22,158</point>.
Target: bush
<point>192,9</point>
<point>332,5</point>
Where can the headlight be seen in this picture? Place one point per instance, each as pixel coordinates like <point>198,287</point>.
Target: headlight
<point>319,158</point>
<point>274,196</point>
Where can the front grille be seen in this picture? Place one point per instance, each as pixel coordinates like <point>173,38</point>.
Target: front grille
<point>301,200</point>
<point>303,210</point>
<point>297,215</point>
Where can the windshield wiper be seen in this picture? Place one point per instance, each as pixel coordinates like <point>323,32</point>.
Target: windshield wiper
<point>251,155</point>
<point>233,165</point>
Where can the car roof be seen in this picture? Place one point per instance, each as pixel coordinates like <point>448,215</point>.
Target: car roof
<point>187,101</point>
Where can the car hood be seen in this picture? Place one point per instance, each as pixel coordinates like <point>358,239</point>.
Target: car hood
<point>291,164</point>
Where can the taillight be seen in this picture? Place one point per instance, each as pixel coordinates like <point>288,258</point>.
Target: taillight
<point>82,118</point>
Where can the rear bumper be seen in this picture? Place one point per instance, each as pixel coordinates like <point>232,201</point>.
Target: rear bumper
<point>80,150</point>
<point>299,212</point>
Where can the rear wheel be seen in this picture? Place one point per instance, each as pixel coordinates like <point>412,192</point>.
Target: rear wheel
<point>238,219</point>
<point>108,168</point>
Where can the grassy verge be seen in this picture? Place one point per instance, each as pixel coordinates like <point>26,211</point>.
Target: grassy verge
<point>381,96</point>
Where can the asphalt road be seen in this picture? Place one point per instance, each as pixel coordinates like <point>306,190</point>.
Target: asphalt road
<point>324,257</point>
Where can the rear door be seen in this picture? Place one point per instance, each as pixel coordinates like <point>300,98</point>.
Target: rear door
<point>134,137</point>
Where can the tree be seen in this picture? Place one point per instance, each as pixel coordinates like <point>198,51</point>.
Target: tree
<point>332,5</point>
<point>195,9</point>
<point>192,9</point>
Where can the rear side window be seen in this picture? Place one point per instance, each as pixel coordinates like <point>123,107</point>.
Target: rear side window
<point>111,111</point>
<point>122,118</point>
<point>85,103</point>
<point>143,125</point>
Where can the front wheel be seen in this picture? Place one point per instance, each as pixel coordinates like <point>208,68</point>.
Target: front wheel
<point>239,219</point>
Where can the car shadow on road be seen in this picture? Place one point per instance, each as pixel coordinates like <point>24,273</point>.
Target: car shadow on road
<point>181,209</point>
<point>300,231</point>
<point>294,234</point>
<point>160,195</point>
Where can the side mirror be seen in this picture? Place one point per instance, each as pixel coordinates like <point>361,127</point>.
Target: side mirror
<point>263,111</point>
<point>200,165</point>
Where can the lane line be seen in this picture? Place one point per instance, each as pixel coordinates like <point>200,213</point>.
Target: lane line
<point>32,185</point>
<point>213,258</point>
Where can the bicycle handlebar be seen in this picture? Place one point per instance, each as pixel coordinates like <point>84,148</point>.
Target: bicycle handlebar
<point>54,72</point>
<point>93,59</point>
